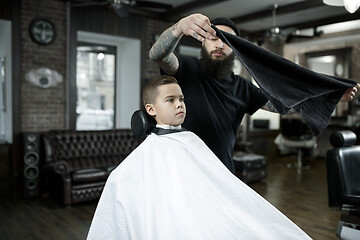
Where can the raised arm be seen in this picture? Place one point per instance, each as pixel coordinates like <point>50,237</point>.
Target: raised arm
<point>162,51</point>
<point>196,25</point>
<point>348,96</point>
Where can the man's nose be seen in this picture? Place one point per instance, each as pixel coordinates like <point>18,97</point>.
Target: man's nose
<point>220,44</point>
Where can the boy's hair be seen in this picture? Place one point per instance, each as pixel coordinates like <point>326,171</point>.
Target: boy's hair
<point>150,90</point>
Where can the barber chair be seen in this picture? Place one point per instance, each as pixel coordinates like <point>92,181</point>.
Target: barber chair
<point>343,179</point>
<point>295,134</point>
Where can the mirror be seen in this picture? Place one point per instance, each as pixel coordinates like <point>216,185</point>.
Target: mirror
<point>334,63</point>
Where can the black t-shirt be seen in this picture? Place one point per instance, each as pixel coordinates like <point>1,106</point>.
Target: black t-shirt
<point>215,107</point>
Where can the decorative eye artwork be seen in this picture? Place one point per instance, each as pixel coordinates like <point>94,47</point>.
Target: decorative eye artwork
<point>43,77</point>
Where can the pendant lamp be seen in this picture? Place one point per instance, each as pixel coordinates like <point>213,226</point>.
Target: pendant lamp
<point>350,5</point>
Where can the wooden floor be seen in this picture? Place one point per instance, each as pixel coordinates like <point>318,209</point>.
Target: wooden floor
<point>302,196</point>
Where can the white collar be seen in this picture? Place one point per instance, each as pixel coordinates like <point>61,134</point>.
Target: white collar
<point>168,126</point>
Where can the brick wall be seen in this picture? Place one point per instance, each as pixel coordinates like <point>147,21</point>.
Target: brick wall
<point>43,108</point>
<point>153,27</point>
<point>355,61</point>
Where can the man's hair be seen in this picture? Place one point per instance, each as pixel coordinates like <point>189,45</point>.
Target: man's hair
<point>226,22</point>
<point>150,90</point>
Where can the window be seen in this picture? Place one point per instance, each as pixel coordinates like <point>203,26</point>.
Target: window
<point>95,81</point>
<point>126,71</point>
<point>6,118</point>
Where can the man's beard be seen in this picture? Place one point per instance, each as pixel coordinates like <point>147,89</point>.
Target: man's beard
<point>218,68</point>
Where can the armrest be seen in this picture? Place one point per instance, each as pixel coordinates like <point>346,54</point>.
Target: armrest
<point>61,168</point>
<point>62,179</point>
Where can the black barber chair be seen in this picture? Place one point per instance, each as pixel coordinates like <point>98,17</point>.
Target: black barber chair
<point>343,178</point>
<point>296,134</point>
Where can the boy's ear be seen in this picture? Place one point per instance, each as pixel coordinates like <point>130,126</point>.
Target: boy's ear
<point>150,109</point>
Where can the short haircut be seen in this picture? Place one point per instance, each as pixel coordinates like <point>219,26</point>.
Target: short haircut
<point>226,22</point>
<point>150,90</point>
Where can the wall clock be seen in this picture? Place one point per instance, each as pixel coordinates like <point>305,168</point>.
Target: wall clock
<point>42,31</point>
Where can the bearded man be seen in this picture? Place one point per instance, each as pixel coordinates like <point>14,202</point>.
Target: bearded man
<point>216,98</point>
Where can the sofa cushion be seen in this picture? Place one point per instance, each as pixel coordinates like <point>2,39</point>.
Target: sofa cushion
<point>87,187</point>
<point>89,175</point>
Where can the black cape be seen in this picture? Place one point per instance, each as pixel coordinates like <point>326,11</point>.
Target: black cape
<point>287,85</point>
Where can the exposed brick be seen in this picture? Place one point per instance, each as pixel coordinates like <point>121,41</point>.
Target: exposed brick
<point>43,109</point>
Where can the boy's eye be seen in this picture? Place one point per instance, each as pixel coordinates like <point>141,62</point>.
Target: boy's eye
<point>170,100</point>
<point>181,99</point>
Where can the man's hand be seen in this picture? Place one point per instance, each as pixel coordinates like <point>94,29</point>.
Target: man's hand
<point>350,94</point>
<point>196,25</point>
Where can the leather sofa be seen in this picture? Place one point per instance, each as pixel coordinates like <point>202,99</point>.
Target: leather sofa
<point>77,163</point>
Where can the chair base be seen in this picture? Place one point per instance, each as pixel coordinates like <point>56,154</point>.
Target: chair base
<point>299,164</point>
<point>348,231</point>
<point>296,165</point>
<point>350,214</point>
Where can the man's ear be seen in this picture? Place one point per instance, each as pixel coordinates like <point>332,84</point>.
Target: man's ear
<point>150,109</point>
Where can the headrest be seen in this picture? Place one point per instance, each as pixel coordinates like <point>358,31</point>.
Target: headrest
<point>142,124</point>
<point>343,138</point>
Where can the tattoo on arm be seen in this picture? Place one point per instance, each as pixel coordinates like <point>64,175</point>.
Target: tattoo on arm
<point>162,51</point>
<point>170,64</point>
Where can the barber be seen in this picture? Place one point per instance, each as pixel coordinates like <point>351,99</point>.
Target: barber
<point>216,98</point>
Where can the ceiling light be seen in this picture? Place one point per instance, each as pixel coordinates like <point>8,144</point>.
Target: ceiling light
<point>337,3</point>
<point>350,5</point>
<point>274,34</point>
<point>120,9</point>
<point>100,56</point>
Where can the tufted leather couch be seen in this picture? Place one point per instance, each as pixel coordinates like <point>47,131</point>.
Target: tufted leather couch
<point>78,163</point>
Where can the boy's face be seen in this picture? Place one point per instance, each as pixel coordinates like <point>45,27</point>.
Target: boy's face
<point>169,107</point>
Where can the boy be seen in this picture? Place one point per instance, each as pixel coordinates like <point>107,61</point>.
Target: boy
<point>164,101</point>
<point>173,187</point>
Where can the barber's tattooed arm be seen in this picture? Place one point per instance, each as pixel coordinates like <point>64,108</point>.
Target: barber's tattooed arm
<point>195,25</point>
<point>269,107</point>
<point>162,51</point>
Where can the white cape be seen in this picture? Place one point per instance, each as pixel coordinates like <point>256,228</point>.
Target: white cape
<point>174,187</point>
